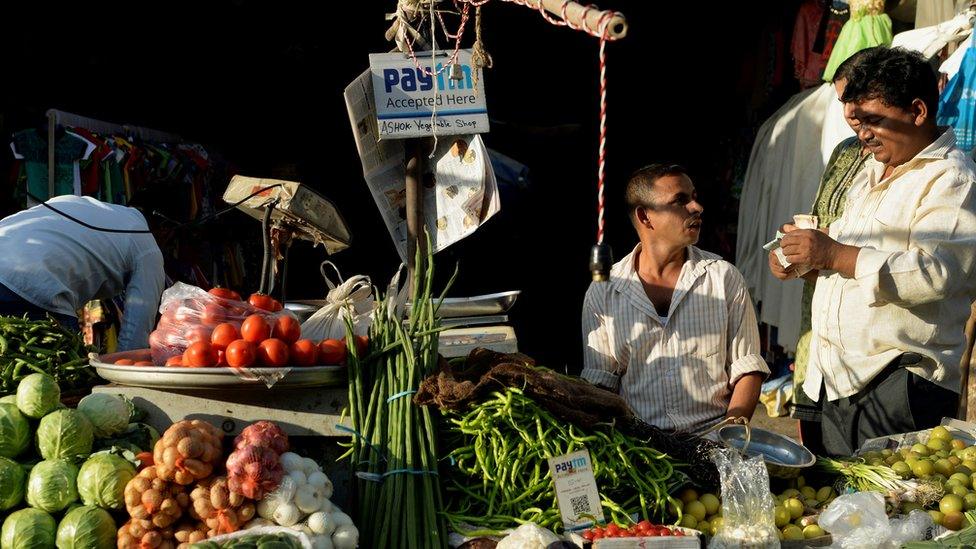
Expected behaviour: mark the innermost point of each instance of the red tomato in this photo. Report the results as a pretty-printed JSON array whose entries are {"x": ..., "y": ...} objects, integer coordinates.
[
  {"x": 143, "y": 363},
  {"x": 200, "y": 355},
  {"x": 273, "y": 352},
  {"x": 587, "y": 535},
  {"x": 225, "y": 293},
  {"x": 255, "y": 329},
  {"x": 175, "y": 360},
  {"x": 223, "y": 335},
  {"x": 644, "y": 526},
  {"x": 266, "y": 302},
  {"x": 613, "y": 530},
  {"x": 632, "y": 531},
  {"x": 125, "y": 362},
  {"x": 677, "y": 533},
  {"x": 332, "y": 351},
  {"x": 304, "y": 352},
  {"x": 286, "y": 329},
  {"x": 221, "y": 357},
  {"x": 196, "y": 334},
  {"x": 664, "y": 532},
  {"x": 362, "y": 344},
  {"x": 240, "y": 354},
  {"x": 213, "y": 314}
]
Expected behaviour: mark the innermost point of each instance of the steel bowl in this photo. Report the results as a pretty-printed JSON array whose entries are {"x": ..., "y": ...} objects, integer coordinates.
[{"x": 784, "y": 457}]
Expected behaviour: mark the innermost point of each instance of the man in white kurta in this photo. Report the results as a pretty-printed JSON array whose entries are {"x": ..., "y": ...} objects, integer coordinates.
[{"x": 895, "y": 283}]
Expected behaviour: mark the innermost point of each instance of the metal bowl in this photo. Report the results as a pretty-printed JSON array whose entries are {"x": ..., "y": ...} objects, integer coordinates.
[{"x": 784, "y": 457}]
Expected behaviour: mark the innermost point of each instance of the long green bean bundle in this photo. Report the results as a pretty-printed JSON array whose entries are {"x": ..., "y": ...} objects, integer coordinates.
[
  {"x": 500, "y": 476},
  {"x": 29, "y": 346},
  {"x": 394, "y": 444}
]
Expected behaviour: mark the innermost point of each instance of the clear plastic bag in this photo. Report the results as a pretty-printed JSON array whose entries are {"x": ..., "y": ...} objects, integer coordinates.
[
  {"x": 747, "y": 503},
  {"x": 351, "y": 299},
  {"x": 189, "y": 314},
  {"x": 858, "y": 521}
]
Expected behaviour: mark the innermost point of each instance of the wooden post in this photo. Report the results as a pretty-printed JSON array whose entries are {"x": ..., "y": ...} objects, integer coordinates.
[
  {"x": 967, "y": 398},
  {"x": 415, "y": 206},
  {"x": 616, "y": 28},
  {"x": 52, "y": 126}
]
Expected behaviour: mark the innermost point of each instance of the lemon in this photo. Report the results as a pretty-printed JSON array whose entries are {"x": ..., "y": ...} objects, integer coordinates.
[
  {"x": 795, "y": 507},
  {"x": 824, "y": 493},
  {"x": 963, "y": 479},
  {"x": 688, "y": 521},
  {"x": 940, "y": 433},
  {"x": 813, "y": 531},
  {"x": 711, "y": 503},
  {"x": 792, "y": 532},
  {"x": 808, "y": 492},
  {"x": 781, "y": 516},
  {"x": 950, "y": 503},
  {"x": 688, "y": 495},
  {"x": 696, "y": 509}
]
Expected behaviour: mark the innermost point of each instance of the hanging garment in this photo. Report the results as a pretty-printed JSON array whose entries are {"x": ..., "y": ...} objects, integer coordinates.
[
  {"x": 837, "y": 15},
  {"x": 957, "y": 105},
  {"x": 808, "y": 64},
  {"x": 31, "y": 146},
  {"x": 929, "y": 41},
  {"x": 868, "y": 26}
]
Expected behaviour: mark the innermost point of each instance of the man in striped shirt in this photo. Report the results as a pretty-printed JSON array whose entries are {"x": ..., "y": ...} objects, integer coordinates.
[{"x": 673, "y": 331}]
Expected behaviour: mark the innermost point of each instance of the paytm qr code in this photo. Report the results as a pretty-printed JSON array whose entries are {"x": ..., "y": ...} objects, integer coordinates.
[{"x": 581, "y": 505}]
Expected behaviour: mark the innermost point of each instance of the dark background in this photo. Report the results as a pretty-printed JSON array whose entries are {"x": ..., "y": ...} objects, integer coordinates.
[{"x": 262, "y": 82}]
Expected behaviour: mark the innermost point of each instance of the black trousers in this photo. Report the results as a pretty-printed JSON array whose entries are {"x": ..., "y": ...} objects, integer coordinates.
[{"x": 895, "y": 401}]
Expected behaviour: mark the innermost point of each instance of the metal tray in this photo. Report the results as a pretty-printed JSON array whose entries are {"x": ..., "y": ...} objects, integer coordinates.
[
  {"x": 784, "y": 457},
  {"x": 161, "y": 377},
  {"x": 490, "y": 304}
]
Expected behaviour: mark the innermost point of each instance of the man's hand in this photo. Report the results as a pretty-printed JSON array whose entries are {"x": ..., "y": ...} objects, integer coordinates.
[
  {"x": 780, "y": 272},
  {"x": 745, "y": 395},
  {"x": 810, "y": 247}
]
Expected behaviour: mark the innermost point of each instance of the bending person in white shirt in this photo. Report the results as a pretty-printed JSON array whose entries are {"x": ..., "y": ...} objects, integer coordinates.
[
  {"x": 53, "y": 264},
  {"x": 895, "y": 271},
  {"x": 673, "y": 330}
]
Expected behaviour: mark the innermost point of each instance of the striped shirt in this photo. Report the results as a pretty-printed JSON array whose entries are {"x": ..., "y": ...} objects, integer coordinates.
[{"x": 676, "y": 372}]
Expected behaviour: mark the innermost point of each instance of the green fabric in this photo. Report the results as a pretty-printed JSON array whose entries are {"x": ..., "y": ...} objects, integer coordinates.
[
  {"x": 862, "y": 31},
  {"x": 67, "y": 150},
  {"x": 845, "y": 163}
]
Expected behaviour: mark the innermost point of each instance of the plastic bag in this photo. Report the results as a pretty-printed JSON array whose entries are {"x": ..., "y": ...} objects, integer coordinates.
[
  {"x": 302, "y": 538},
  {"x": 528, "y": 536},
  {"x": 189, "y": 314},
  {"x": 350, "y": 299},
  {"x": 747, "y": 503},
  {"x": 859, "y": 521}
]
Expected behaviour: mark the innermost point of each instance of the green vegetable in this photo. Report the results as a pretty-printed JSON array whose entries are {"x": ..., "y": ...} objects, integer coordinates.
[
  {"x": 51, "y": 485},
  {"x": 37, "y": 395},
  {"x": 28, "y": 529},
  {"x": 86, "y": 527},
  {"x": 9, "y": 399},
  {"x": 12, "y": 483},
  {"x": 102, "y": 479},
  {"x": 65, "y": 434},
  {"x": 137, "y": 437},
  {"x": 107, "y": 413},
  {"x": 500, "y": 475},
  {"x": 15, "y": 432},
  {"x": 42, "y": 346},
  {"x": 397, "y": 437},
  {"x": 136, "y": 414}
]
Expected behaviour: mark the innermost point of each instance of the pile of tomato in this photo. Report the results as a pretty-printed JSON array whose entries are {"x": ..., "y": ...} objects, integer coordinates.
[
  {"x": 215, "y": 335},
  {"x": 643, "y": 529}
]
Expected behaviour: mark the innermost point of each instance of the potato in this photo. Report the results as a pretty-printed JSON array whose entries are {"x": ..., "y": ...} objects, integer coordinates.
[{"x": 190, "y": 447}]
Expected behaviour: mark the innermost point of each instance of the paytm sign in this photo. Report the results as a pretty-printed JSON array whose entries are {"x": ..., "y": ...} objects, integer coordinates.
[{"x": 411, "y": 102}]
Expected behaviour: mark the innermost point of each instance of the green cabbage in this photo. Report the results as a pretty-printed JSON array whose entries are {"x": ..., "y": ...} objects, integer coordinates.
[
  {"x": 137, "y": 437},
  {"x": 65, "y": 434},
  {"x": 37, "y": 395},
  {"x": 107, "y": 413},
  {"x": 15, "y": 432},
  {"x": 12, "y": 481},
  {"x": 86, "y": 528},
  {"x": 102, "y": 480},
  {"x": 51, "y": 485},
  {"x": 28, "y": 529},
  {"x": 10, "y": 399}
]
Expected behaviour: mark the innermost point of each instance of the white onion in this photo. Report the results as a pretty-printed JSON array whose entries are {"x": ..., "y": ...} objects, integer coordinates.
[
  {"x": 287, "y": 514},
  {"x": 310, "y": 466},
  {"x": 321, "y": 523},
  {"x": 318, "y": 479},
  {"x": 258, "y": 522},
  {"x": 286, "y": 489},
  {"x": 326, "y": 506},
  {"x": 266, "y": 507},
  {"x": 341, "y": 519},
  {"x": 322, "y": 542},
  {"x": 299, "y": 478},
  {"x": 307, "y": 499},
  {"x": 345, "y": 537},
  {"x": 291, "y": 461}
]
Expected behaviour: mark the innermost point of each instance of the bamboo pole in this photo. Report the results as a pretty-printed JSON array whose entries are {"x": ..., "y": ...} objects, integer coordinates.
[{"x": 575, "y": 12}]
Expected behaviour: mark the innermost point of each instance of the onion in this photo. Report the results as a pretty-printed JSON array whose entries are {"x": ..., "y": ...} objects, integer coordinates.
[
  {"x": 310, "y": 466},
  {"x": 258, "y": 522},
  {"x": 292, "y": 462},
  {"x": 341, "y": 519},
  {"x": 286, "y": 490},
  {"x": 308, "y": 499},
  {"x": 318, "y": 479},
  {"x": 345, "y": 537},
  {"x": 321, "y": 523},
  {"x": 322, "y": 542},
  {"x": 268, "y": 505},
  {"x": 287, "y": 514},
  {"x": 299, "y": 478}
]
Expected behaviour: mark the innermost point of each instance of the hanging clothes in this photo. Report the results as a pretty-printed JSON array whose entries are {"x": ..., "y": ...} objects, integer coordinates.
[
  {"x": 30, "y": 146},
  {"x": 868, "y": 26},
  {"x": 838, "y": 13},
  {"x": 929, "y": 41},
  {"x": 957, "y": 105},
  {"x": 808, "y": 64}
]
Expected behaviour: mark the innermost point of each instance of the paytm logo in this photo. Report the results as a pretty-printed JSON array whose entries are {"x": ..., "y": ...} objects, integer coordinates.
[
  {"x": 570, "y": 465},
  {"x": 411, "y": 79}
]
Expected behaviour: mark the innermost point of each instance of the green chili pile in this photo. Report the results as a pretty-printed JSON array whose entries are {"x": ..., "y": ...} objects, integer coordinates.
[
  {"x": 500, "y": 475},
  {"x": 42, "y": 346}
]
